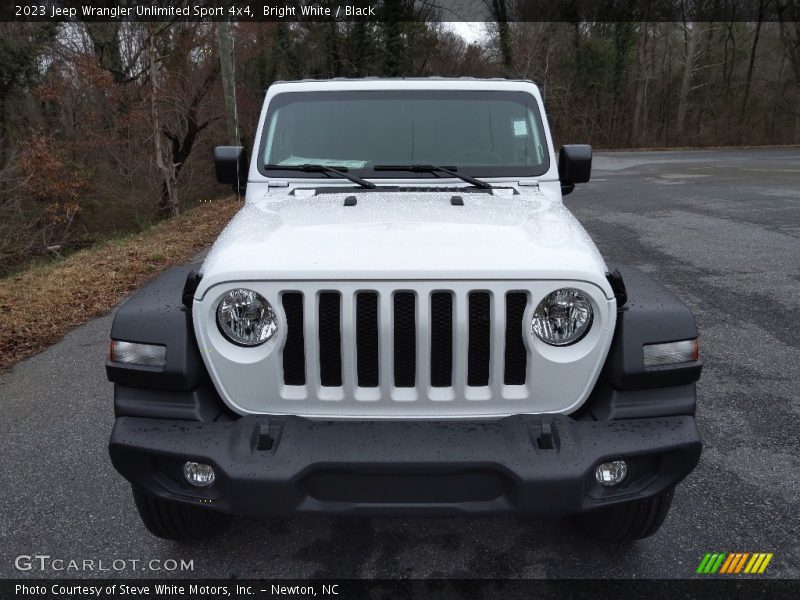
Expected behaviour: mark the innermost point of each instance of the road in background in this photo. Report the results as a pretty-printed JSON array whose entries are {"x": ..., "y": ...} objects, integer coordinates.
[{"x": 720, "y": 228}]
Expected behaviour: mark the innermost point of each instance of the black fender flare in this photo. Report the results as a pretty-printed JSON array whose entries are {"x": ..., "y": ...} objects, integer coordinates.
[{"x": 155, "y": 314}]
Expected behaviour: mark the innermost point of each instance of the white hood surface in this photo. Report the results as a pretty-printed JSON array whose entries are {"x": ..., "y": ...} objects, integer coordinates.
[{"x": 404, "y": 235}]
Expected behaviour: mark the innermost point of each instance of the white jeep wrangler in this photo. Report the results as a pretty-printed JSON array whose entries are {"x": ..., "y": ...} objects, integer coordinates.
[{"x": 403, "y": 318}]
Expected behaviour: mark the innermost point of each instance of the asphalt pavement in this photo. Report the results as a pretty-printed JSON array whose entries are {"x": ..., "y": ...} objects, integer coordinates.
[{"x": 721, "y": 228}]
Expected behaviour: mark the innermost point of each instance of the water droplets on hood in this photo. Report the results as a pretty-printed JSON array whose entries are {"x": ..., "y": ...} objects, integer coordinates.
[{"x": 402, "y": 234}]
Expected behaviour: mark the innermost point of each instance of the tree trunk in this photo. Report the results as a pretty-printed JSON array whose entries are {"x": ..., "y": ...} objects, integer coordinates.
[
  {"x": 277, "y": 54},
  {"x": 797, "y": 116},
  {"x": 3, "y": 146},
  {"x": 686, "y": 81},
  {"x": 728, "y": 65},
  {"x": 393, "y": 50},
  {"x": 228, "y": 79},
  {"x": 641, "y": 81},
  {"x": 750, "y": 68},
  {"x": 359, "y": 44},
  {"x": 500, "y": 14},
  {"x": 168, "y": 202},
  {"x": 106, "y": 45},
  {"x": 3, "y": 94},
  {"x": 622, "y": 45},
  {"x": 789, "y": 14},
  {"x": 332, "y": 57}
]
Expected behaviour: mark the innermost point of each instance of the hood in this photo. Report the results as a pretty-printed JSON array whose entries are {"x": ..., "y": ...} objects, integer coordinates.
[{"x": 401, "y": 235}]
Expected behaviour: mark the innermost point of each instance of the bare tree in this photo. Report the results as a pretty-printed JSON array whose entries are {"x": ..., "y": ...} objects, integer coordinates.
[
  {"x": 693, "y": 36},
  {"x": 170, "y": 205},
  {"x": 225, "y": 50},
  {"x": 499, "y": 11},
  {"x": 790, "y": 35},
  {"x": 762, "y": 4},
  {"x": 642, "y": 69}
]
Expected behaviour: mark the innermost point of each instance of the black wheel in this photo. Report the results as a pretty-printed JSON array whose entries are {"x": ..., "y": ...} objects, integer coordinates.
[
  {"x": 626, "y": 522},
  {"x": 179, "y": 522}
]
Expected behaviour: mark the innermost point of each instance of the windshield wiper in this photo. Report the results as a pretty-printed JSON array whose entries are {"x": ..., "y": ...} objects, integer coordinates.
[
  {"x": 433, "y": 169},
  {"x": 338, "y": 171}
]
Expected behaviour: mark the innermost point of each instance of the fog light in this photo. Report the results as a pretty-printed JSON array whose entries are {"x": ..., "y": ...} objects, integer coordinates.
[
  {"x": 198, "y": 474},
  {"x": 611, "y": 473}
]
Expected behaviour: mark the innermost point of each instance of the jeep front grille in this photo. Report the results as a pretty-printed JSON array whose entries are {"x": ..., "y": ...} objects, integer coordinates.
[
  {"x": 403, "y": 340},
  {"x": 394, "y": 349}
]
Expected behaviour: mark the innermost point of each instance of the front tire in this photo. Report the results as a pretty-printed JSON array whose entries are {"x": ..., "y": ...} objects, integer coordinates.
[
  {"x": 176, "y": 521},
  {"x": 626, "y": 522}
]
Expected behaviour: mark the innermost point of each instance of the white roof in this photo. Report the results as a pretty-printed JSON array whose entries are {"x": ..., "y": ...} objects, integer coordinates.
[{"x": 422, "y": 83}]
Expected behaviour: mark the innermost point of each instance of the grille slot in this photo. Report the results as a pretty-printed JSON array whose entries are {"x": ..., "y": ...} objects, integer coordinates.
[
  {"x": 478, "y": 350},
  {"x": 367, "y": 339},
  {"x": 441, "y": 339},
  {"x": 405, "y": 340},
  {"x": 330, "y": 339},
  {"x": 516, "y": 356},
  {"x": 294, "y": 354}
]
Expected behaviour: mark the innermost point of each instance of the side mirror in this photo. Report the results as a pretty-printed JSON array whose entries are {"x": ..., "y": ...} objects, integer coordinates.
[
  {"x": 574, "y": 166},
  {"x": 231, "y": 165}
]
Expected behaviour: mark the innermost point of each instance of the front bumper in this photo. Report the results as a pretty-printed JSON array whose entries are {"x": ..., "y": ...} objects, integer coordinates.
[{"x": 525, "y": 464}]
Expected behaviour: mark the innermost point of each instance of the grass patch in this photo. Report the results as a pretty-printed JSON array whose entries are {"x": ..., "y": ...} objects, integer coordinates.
[{"x": 39, "y": 305}]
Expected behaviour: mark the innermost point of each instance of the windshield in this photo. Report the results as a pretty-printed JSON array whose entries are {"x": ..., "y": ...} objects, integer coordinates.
[{"x": 480, "y": 133}]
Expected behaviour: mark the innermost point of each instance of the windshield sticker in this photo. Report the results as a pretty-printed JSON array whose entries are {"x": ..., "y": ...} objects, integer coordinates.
[{"x": 520, "y": 128}]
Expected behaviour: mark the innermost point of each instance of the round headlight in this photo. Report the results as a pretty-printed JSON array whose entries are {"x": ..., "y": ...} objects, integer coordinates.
[
  {"x": 246, "y": 318},
  {"x": 563, "y": 317}
]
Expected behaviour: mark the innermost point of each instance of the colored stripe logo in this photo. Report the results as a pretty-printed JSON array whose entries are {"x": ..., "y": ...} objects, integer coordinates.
[{"x": 734, "y": 562}]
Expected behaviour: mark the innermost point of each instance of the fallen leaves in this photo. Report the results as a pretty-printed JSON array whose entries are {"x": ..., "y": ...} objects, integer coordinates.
[{"x": 38, "y": 306}]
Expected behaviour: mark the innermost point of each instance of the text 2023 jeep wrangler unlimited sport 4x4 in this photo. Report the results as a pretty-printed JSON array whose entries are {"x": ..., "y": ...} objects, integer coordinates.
[{"x": 403, "y": 318}]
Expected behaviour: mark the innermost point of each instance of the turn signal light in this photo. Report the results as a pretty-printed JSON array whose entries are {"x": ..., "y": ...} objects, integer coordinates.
[
  {"x": 148, "y": 355},
  {"x": 656, "y": 355}
]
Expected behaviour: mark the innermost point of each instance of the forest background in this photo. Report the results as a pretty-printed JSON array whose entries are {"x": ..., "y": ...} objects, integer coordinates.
[{"x": 107, "y": 128}]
